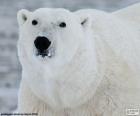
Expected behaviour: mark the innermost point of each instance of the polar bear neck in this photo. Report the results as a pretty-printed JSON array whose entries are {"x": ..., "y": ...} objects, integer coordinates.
[{"x": 79, "y": 76}]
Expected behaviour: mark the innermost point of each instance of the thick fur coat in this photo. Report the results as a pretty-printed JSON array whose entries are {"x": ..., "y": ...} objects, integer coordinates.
[{"x": 95, "y": 69}]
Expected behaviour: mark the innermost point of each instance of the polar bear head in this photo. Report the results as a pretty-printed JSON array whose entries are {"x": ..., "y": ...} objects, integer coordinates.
[
  {"x": 49, "y": 51},
  {"x": 44, "y": 31}
]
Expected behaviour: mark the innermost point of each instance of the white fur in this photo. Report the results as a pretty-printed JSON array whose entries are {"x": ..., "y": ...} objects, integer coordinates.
[{"x": 95, "y": 70}]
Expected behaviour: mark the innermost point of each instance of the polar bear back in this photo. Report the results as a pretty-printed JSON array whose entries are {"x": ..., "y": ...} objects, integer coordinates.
[
  {"x": 131, "y": 14},
  {"x": 116, "y": 33}
]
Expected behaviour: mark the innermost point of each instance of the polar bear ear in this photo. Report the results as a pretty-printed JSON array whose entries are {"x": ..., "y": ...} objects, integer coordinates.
[{"x": 22, "y": 16}]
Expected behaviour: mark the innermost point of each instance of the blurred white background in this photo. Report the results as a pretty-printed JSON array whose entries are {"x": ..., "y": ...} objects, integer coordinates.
[{"x": 10, "y": 69}]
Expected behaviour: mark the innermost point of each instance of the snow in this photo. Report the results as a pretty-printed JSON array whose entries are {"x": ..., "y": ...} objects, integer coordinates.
[
  {"x": 10, "y": 69},
  {"x": 8, "y": 99}
]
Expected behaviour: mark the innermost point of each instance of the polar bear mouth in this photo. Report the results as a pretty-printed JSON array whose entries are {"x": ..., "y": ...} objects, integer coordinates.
[
  {"x": 47, "y": 53},
  {"x": 44, "y": 47}
]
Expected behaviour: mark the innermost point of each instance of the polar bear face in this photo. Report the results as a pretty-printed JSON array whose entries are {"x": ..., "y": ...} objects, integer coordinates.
[
  {"x": 49, "y": 49},
  {"x": 49, "y": 36}
]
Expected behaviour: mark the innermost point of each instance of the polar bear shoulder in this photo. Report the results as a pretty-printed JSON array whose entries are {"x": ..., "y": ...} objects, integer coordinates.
[{"x": 115, "y": 32}]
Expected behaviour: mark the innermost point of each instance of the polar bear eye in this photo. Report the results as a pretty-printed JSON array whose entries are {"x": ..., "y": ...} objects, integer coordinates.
[
  {"x": 34, "y": 22},
  {"x": 62, "y": 24}
]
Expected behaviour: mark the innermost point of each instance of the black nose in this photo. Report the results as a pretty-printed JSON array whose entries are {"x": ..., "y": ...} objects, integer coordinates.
[{"x": 42, "y": 43}]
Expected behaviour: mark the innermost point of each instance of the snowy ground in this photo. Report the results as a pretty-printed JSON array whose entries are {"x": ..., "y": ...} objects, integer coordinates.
[{"x": 10, "y": 70}]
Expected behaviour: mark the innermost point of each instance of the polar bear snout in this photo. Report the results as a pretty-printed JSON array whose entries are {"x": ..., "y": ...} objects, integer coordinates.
[{"x": 42, "y": 45}]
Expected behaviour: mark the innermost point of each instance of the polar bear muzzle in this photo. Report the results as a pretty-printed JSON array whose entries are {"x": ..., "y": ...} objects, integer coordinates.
[{"x": 42, "y": 45}]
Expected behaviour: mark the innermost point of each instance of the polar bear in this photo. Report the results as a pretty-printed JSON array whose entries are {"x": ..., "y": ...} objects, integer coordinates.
[{"x": 83, "y": 63}]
